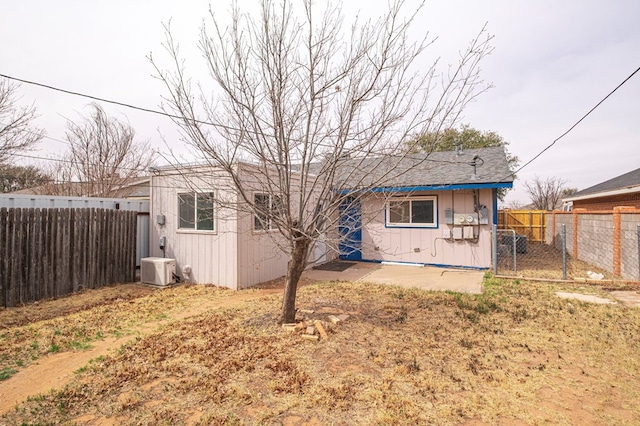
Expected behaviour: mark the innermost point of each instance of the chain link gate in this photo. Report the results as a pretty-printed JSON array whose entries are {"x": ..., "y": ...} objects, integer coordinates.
[{"x": 515, "y": 255}]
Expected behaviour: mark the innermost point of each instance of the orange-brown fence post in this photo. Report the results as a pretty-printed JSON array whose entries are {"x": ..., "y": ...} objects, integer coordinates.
[
  {"x": 617, "y": 236},
  {"x": 616, "y": 241},
  {"x": 575, "y": 233}
]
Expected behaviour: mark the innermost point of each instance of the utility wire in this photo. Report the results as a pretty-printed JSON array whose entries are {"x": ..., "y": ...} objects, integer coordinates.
[
  {"x": 152, "y": 111},
  {"x": 69, "y": 161},
  {"x": 575, "y": 124},
  {"x": 41, "y": 135},
  {"x": 70, "y": 92},
  {"x": 95, "y": 98}
]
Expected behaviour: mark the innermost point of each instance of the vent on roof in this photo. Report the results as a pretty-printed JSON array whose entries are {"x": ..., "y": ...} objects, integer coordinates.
[{"x": 477, "y": 161}]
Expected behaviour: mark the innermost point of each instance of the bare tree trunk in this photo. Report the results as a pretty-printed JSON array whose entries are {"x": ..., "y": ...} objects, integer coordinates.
[{"x": 297, "y": 263}]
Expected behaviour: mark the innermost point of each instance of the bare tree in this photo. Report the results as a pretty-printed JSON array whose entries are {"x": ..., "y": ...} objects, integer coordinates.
[
  {"x": 103, "y": 156},
  {"x": 516, "y": 204},
  {"x": 546, "y": 194},
  {"x": 63, "y": 181},
  {"x": 311, "y": 110},
  {"x": 17, "y": 133}
]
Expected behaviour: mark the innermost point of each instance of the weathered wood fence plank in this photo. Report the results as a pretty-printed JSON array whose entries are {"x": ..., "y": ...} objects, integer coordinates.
[
  {"x": 3, "y": 254},
  {"x": 47, "y": 253}
]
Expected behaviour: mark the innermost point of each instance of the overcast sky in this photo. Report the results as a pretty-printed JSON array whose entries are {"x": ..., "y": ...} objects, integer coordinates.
[{"x": 553, "y": 61}]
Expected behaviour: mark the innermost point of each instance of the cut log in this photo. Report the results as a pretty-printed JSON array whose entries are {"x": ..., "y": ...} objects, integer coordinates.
[{"x": 321, "y": 329}]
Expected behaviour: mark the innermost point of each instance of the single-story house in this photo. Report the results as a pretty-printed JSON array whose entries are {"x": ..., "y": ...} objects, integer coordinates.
[
  {"x": 623, "y": 190},
  {"x": 434, "y": 209}
]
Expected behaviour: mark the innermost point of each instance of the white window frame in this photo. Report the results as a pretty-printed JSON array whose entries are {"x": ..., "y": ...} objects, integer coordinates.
[
  {"x": 410, "y": 223},
  {"x": 195, "y": 196},
  {"x": 266, "y": 224}
]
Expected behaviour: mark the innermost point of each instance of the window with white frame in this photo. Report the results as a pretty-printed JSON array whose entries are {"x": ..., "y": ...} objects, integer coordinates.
[
  {"x": 195, "y": 211},
  {"x": 267, "y": 206},
  {"x": 413, "y": 212}
]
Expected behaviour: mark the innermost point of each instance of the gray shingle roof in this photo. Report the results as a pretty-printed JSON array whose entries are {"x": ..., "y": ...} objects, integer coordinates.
[
  {"x": 434, "y": 169},
  {"x": 626, "y": 180}
]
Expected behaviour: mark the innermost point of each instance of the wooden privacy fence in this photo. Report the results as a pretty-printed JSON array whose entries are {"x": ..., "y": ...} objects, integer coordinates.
[
  {"x": 531, "y": 223},
  {"x": 47, "y": 253}
]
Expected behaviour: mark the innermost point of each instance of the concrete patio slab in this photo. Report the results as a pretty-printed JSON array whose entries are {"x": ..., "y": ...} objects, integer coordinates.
[
  {"x": 426, "y": 278},
  {"x": 631, "y": 298},
  {"x": 585, "y": 298},
  {"x": 353, "y": 273}
]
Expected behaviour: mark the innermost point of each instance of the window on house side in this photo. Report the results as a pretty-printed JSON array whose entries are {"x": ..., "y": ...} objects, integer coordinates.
[
  {"x": 195, "y": 211},
  {"x": 267, "y": 207},
  {"x": 415, "y": 211}
]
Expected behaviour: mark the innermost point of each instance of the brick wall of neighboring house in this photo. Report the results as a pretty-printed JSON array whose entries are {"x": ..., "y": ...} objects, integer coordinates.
[{"x": 608, "y": 203}]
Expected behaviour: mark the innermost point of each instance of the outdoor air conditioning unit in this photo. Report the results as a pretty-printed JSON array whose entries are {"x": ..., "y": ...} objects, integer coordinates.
[{"x": 157, "y": 271}]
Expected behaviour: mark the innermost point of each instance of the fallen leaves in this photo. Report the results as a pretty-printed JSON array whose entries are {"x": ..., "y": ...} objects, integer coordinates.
[{"x": 452, "y": 358}]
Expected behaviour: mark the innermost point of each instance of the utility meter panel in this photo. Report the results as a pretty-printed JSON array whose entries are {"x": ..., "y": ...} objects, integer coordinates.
[{"x": 465, "y": 218}]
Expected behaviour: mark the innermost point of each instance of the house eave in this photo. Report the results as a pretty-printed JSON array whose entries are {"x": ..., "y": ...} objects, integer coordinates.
[{"x": 621, "y": 191}]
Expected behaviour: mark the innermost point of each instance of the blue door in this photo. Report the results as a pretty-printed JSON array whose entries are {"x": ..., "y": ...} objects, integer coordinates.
[{"x": 350, "y": 228}]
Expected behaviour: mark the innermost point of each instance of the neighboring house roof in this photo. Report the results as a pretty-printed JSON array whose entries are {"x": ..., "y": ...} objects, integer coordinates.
[
  {"x": 433, "y": 171},
  {"x": 53, "y": 189},
  {"x": 134, "y": 187},
  {"x": 626, "y": 183}
]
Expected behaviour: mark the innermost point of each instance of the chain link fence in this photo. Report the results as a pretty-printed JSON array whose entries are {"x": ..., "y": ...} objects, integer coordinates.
[{"x": 577, "y": 245}]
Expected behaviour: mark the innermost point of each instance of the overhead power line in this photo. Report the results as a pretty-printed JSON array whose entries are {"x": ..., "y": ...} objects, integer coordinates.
[
  {"x": 577, "y": 122},
  {"x": 126, "y": 105},
  {"x": 152, "y": 111},
  {"x": 96, "y": 98}
]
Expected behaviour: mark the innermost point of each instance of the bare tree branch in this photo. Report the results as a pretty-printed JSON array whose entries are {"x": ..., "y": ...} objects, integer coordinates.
[
  {"x": 103, "y": 156},
  {"x": 546, "y": 194},
  {"x": 17, "y": 133},
  {"x": 293, "y": 96}
]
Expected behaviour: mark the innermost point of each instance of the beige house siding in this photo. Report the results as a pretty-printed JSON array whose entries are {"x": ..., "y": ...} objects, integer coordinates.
[
  {"x": 235, "y": 255},
  {"x": 261, "y": 254},
  {"x": 427, "y": 245},
  {"x": 259, "y": 257},
  {"x": 212, "y": 255}
]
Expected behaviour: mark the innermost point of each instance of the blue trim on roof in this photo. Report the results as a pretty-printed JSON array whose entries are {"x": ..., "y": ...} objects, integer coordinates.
[{"x": 433, "y": 187}]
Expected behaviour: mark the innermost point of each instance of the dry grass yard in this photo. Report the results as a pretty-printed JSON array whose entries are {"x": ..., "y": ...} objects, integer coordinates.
[{"x": 197, "y": 355}]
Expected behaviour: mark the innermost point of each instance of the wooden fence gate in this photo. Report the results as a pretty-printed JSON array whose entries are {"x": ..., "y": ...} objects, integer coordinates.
[
  {"x": 531, "y": 223},
  {"x": 46, "y": 253}
]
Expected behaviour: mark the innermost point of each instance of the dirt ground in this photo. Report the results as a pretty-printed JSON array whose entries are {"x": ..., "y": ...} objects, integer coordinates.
[
  {"x": 39, "y": 311},
  {"x": 199, "y": 355},
  {"x": 56, "y": 370}
]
